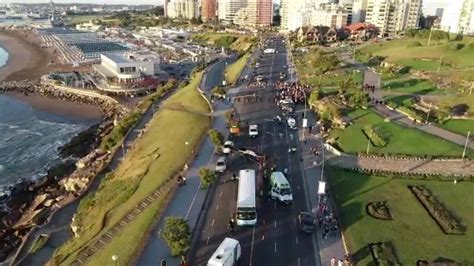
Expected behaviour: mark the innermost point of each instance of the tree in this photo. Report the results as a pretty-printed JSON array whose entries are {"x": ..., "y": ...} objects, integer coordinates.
[
  {"x": 216, "y": 137},
  {"x": 176, "y": 234},
  {"x": 314, "y": 97},
  {"x": 207, "y": 176},
  {"x": 359, "y": 98},
  {"x": 218, "y": 91}
]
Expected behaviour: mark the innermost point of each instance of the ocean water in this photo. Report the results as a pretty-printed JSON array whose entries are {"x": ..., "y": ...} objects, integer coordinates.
[
  {"x": 3, "y": 57},
  {"x": 29, "y": 140}
]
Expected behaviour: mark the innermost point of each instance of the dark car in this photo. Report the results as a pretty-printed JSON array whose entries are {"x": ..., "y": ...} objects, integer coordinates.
[{"x": 306, "y": 221}]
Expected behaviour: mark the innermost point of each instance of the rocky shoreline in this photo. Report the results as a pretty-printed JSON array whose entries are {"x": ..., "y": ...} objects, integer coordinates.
[{"x": 30, "y": 203}]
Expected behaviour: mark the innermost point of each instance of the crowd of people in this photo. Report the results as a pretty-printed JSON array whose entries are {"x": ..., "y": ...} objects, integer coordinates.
[
  {"x": 327, "y": 221},
  {"x": 295, "y": 91}
]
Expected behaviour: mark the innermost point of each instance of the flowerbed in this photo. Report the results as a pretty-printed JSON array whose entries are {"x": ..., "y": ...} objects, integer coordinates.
[
  {"x": 379, "y": 210},
  {"x": 375, "y": 136},
  {"x": 383, "y": 253},
  {"x": 439, "y": 213}
]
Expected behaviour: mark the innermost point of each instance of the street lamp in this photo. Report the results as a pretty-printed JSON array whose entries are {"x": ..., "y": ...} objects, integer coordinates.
[
  {"x": 186, "y": 154},
  {"x": 114, "y": 259}
]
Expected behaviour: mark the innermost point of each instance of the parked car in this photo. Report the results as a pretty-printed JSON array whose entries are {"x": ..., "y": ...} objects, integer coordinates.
[
  {"x": 221, "y": 165},
  {"x": 306, "y": 222},
  {"x": 228, "y": 145}
]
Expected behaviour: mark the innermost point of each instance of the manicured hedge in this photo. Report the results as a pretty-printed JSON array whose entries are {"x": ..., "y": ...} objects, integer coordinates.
[
  {"x": 410, "y": 112},
  {"x": 439, "y": 213},
  {"x": 379, "y": 210},
  {"x": 375, "y": 137}
]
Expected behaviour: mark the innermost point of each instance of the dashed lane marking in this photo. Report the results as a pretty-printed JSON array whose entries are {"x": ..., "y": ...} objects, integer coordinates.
[
  {"x": 220, "y": 194},
  {"x": 299, "y": 261},
  {"x": 207, "y": 242},
  {"x": 217, "y": 207},
  {"x": 213, "y": 221},
  {"x": 275, "y": 247},
  {"x": 296, "y": 240},
  {"x": 275, "y": 224}
]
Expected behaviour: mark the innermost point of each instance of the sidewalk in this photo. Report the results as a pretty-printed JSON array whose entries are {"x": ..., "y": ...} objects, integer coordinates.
[
  {"x": 332, "y": 246},
  {"x": 188, "y": 200}
]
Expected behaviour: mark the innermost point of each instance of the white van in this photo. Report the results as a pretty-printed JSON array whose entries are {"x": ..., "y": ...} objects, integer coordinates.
[
  {"x": 280, "y": 188},
  {"x": 253, "y": 131},
  {"x": 227, "y": 254}
]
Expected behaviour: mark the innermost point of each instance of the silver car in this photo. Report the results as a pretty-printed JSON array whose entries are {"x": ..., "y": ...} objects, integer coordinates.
[{"x": 221, "y": 165}]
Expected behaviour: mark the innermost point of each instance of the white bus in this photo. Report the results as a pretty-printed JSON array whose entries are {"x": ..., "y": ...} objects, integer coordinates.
[
  {"x": 227, "y": 254},
  {"x": 246, "y": 204}
]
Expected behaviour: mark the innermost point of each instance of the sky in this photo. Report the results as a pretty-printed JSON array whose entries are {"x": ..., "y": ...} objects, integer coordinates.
[{"x": 429, "y": 5}]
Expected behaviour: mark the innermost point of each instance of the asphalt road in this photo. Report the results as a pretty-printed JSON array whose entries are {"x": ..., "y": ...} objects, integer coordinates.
[{"x": 276, "y": 239}]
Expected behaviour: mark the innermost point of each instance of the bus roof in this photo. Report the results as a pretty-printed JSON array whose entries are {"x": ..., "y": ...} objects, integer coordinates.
[
  {"x": 246, "y": 193},
  {"x": 222, "y": 253},
  {"x": 279, "y": 178}
]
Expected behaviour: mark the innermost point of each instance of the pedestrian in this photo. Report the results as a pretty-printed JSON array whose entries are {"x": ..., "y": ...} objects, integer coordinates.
[
  {"x": 333, "y": 261},
  {"x": 310, "y": 128},
  {"x": 163, "y": 262},
  {"x": 340, "y": 263}
]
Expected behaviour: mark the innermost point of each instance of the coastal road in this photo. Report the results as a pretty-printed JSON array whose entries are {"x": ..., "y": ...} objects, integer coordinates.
[
  {"x": 276, "y": 239},
  {"x": 58, "y": 227}
]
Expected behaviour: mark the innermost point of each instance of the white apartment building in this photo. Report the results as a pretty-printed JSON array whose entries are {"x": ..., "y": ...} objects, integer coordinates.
[
  {"x": 330, "y": 15},
  {"x": 458, "y": 17},
  {"x": 185, "y": 9},
  {"x": 293, "y": 14},
  {"x": 227, "y": 9},
  {"x": 359, "y": 10},
  {"x": 393, "y": 16}
]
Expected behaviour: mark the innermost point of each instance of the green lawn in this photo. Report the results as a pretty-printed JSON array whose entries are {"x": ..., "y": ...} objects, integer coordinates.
[
  {"x": 422, "y": 57},
  {"x": 155, "y": 157},
  {"x": 401, "y": 140},
  {"x": 234, "y": 70},
  {"x": 459, "y": 126},
  {"x": 414, "y": 234},
  {"x": 411, "y": 86}
]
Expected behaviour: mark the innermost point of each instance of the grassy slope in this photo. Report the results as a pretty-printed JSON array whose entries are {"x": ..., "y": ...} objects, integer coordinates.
[
  {"x": 398, "y": 51},
  {"x": 401, "y": 140},
  {"x": 234, "y": 70},
  {"x": 413, "y": 232},
  {"x": 412, "y": 86},
  {"x": 242, "y": 43},
  {"x": 121, "y": 191},
  {"x": 459, "y": 126}
]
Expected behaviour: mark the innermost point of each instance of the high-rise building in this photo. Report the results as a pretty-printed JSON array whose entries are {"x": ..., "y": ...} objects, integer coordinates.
[
  {"x": 393, "y": 16},
  {"x": 359, "y": 10},
  {"x": 264, "y": 12},
  {"x": 330, "y": 15},
  {"x": 227, "y": 9},
  {"x": 292, "y": 14},
  {"x": 185, "y": 9},
  {"x": 439, "y": 12},
  {"x": 208, "y": 9},
  {"x": 458, "y": 17},
  {"x": 257, "y": 13}
]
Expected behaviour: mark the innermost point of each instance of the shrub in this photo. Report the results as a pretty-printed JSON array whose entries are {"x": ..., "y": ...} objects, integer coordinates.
[
  {"x": 437, "y": 211},
  {"x": 392, "y": 104},
  {"x": 207, "y": 176},
  {"x": 374, "y": 136},
  {"x": 218, "y": 91},
  {"x": 176, "y": 234},
  {"x": 225, "y": 41},
  {"x": 216, "y": 137},
  {"x": 456, "y": 46},
  {"x": 471, "y": 45},
  {"x": 411, "y": 113}
]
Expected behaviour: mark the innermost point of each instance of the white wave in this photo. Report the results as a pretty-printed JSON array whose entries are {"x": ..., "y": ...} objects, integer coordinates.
[
  {"x": 9, "y": 126},
  {"x": 30, "y": 132}
]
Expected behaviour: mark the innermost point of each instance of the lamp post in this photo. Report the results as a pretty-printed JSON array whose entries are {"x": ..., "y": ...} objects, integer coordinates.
[
  {"x": 186, "y": 154},
  {"x": 465, "y": 145},
  {"x": 114, "y": 259}
]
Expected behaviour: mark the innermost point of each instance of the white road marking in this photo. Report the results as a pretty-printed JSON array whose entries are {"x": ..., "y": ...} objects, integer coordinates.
[
  {"x": 263, "y": 237},
  {"x": 296, "y": 240},
  {"x": 213, "y": 221},
  {"x": 275, "y": 247},
  {"x": 207, "y": 242},
  {"x": 220, "y": 194},
  {"x": 275, "y": 224},
  {"x": 217, "y": 207},
  {"x": 299, "y": 261},
  {"x": 251, "y": 246}
]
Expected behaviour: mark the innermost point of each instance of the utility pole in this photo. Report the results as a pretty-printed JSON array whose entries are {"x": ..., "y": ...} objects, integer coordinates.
[
  {"x": 440, "y": 63},
  {"x": 465, "y": 145},
  {"x": 368, "y": 146},
  {"x": 429, "y": 38}
]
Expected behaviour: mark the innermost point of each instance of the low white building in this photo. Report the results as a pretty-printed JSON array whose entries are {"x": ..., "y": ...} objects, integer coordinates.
[
  {"x": 88, "y": 26},
  {"x": 125, "y": 69}
]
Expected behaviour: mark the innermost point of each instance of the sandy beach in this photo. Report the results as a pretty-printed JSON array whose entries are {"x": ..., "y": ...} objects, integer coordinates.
[{"x": 26, "y": 60}]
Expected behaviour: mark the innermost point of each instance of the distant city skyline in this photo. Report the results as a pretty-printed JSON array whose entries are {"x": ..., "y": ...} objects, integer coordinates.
[{"x": 429, "y": 6}]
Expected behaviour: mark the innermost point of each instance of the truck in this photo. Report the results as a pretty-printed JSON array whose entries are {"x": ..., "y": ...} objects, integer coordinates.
[
  {"x": 227, "y": 254},
  {"x": 280, "y": 188}
]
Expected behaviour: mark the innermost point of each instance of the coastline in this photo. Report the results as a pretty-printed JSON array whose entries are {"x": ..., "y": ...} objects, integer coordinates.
[{"x": 26, "y": 58}]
